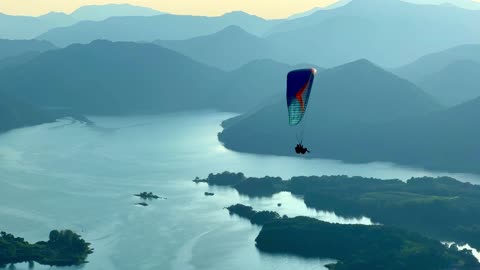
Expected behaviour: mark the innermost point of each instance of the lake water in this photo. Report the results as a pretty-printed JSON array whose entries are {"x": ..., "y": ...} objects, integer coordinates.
[{"x": 67, "y": 175}]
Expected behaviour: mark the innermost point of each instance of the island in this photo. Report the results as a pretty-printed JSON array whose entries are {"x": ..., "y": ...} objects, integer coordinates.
[
  {"x": 209, "y": 194},
  {"x": 354, "y": 246},
  {"x": 257, "y": 218},
  {"x": 251, "y": 186},
  {"x": 63, "y": 248},
  {"x": 148, "y": 196},
  {"x": 222, "y": 179},
  {"x": 441, "y": 208}
]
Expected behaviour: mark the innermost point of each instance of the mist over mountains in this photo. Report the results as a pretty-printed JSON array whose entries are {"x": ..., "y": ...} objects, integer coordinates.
[
  {"x": 457, "y": 83},
  {"x": 450, "y": 75},
  {"x": 390, "y": 33},
  {"x": 104, "y": 77},
  {"x": 163, "y": 27},
  {"x": 107, "y": 78},
  {"x": 11, "y": 48},
  {"x": 372, "y": 116},
  {"x": 27, "y": 27},
  {"x": 227, "y": 49},
  {"x": 434, "y": 62}
]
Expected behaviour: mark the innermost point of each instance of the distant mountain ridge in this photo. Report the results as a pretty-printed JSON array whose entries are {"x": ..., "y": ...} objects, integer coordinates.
[
  {"x": 116, "y": 78},
  {"x": 227, "y": 49},
  {"x": 382, "y": 31},
  {"x": 339, "y": 108},
  {"x": 12, "y": 61},
  {"x": 388, "y": 32},
  {"x": 451, "y": 75},
  {"x": 160, "y": 27},
  {"x": 434, "y": 62},
  {"x": 466, "y": 4},
  {"x": 446, "y": 140},
  {"x": 26, "y": 27},
  {"x": 11, "y": 48},
  {"x": 112, "y": 78},
  {"x": 337, "y": 4},
  {"x": 457, "y": 83}
]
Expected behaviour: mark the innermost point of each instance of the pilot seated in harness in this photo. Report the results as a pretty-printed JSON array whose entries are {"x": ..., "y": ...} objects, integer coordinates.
[{"x": 299, "y": 149}]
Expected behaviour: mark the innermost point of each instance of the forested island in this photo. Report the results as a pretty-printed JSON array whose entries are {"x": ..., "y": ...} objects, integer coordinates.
[
  {"x": 442, "y": 208},
  {"x": 355, "y": 246},
  {"x": 63, "y": 248},
  {"x": 148, "y": 196},
  {"x": 258, "y": 218}
]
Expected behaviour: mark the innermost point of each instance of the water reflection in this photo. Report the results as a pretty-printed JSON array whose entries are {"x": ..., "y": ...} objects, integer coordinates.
[
  {"x": 474, "y": 251},
  {"x": 83, "y": 178}
]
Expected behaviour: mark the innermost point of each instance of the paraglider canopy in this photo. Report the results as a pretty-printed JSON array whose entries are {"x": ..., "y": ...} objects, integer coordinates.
[{"x": 299, "y": 86}]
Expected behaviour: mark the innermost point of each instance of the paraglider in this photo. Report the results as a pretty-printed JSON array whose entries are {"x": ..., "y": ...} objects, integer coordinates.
[
  {"x": 299, "y": 86},
  {"x": 300, "y": 149}
]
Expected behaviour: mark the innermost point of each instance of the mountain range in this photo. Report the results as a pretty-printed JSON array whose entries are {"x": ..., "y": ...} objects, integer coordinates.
[
  {"x": 27, "y": 27},
  {"x": 337, "y": 4},
  {"x": 467, "y": 4},
  {"x": 163, "y": 27},
  {"x": 24, "y": 27},
  {"x": 112, "y": 78},
  {"x": 421, "y": 113},
  {"x": 372, "y": 116},
  {"x": 227, "y": 49},
  {"x": 389, "y": 32},
  {"x": 457, "y": 83},
  {"x": 11, "y": 48},
  {"x": 451, "y": 75},
  {"x": 17, "y": 114},
  {"x": 434, "y": 62},
  {"x": 106, "y": 77}
]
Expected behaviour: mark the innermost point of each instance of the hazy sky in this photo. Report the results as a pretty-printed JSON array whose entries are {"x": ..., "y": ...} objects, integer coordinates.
[{"x": 263, "y": 8}]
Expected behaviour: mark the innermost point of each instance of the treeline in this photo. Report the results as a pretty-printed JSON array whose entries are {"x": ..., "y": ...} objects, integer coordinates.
[
  {"x": 258, "y": 218},
  {"x": 359, "y": 247},
  {"x": 250, "y": 186},
  {"x": 443, "y": 208},
  {"x": 64, "y": 248},
  {"x": 354, "y": 246}
]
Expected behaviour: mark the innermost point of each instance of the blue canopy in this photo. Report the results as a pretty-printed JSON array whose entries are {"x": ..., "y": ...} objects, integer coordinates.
[{"x": 299, "y": 86}]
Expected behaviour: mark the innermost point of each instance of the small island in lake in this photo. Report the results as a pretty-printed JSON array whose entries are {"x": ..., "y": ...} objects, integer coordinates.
[
  {"x": 357, "y": 247},
  {"x": 64, "y": 248},
  {"x": 148, "y": 196},
  {"x": 441, "y": 208}
]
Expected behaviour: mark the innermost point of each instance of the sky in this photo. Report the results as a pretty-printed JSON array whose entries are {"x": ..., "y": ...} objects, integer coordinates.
[{"x": 264, "y": 8}]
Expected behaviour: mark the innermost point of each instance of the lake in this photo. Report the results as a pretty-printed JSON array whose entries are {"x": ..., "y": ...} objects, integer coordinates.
[{"x": 67, "y": 175}]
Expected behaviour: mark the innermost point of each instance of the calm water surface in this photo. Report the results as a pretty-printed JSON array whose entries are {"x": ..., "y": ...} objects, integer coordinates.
[{"x": 68, "y": 175}]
